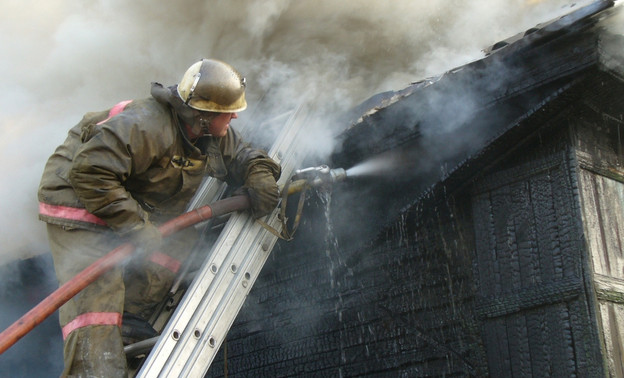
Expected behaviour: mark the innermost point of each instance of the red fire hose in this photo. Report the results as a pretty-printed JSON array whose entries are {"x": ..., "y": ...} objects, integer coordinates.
[{"x": 64, "y": 293}]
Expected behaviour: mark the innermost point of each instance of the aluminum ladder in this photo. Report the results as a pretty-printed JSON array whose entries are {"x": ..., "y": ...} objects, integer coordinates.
[{"x": 192, "y": 337}]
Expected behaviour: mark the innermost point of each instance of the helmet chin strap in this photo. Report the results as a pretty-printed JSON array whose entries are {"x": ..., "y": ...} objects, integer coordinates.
[
  {"x": 204, "y": 125},
  {"x": 199, "y": 125}
]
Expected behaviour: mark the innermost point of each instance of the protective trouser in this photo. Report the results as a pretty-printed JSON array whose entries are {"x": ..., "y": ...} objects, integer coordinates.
[{"x": 91, "y": 321}]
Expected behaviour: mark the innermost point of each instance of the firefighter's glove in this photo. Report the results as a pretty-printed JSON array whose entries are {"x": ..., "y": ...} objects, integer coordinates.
[
  {"x": 146, "y": 239},
  {"x": 261, "y": 186}
]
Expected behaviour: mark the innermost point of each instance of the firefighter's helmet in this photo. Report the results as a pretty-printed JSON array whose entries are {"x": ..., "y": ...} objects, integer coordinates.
[{"x": 213, "y": 86}]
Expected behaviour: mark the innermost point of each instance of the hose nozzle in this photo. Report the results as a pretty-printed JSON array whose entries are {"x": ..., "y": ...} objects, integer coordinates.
[
  {"x": 311, "y": 171},
  {"x": 319, "y": 176}
]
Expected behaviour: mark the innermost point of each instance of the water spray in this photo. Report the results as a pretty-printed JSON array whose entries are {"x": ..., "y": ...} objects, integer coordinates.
[{"x": 401, "y": 161}]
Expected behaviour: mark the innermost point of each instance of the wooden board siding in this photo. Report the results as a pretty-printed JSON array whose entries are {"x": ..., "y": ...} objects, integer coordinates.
[
  {"x": 612, "y": 326},
  {"x": 603, "y": 215},
  {"x": 601, "y": 183}
]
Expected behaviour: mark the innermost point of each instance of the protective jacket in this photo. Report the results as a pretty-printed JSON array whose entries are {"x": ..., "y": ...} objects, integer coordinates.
[
  {"x": 117, "y": 172},
  {"x": 121, "y": 167}
]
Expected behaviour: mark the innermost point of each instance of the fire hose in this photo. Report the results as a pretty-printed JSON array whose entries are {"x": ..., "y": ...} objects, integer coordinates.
[{"x": 309, "y": 177}]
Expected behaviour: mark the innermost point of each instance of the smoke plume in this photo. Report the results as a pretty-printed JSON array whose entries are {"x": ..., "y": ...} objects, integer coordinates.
[{"x": 62, "y": 60}]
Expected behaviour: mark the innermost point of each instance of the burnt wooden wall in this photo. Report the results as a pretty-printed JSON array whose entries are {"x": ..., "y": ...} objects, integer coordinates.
[
  {"x": 548, "y": 219},
  {"x": 532, "y": 273}
]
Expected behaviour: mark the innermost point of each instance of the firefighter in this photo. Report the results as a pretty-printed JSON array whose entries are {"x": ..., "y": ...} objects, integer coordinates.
[{"x": 122, "y": 172}]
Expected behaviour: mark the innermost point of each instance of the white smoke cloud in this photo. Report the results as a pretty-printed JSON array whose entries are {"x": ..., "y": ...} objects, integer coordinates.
[{"x": 62, "y": 59}]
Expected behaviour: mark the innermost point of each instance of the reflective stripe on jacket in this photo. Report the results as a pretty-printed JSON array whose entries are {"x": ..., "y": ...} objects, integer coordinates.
[{"x": 69, "y": 213}]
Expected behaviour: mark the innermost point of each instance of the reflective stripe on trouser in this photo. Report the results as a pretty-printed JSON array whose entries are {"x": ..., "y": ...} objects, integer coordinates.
[
  {"x": 138, "y": 289},
  {"x": 89, "y": 350}
]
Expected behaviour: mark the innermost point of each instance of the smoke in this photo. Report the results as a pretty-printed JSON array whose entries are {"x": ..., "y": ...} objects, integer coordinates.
[{"x": 62, "y": 60}]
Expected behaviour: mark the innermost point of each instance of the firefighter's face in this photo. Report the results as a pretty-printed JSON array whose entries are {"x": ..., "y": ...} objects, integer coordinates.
[{"x": 219, "y": 125}]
